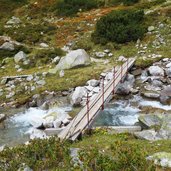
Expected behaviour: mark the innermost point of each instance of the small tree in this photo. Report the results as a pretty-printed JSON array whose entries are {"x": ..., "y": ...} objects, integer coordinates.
[{"x": 120, "y": 27}]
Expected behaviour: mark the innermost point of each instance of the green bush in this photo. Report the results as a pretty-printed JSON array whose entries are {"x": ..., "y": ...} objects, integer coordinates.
[
  {"x": 120, "y": 27},
  {"x": 71, "y": 7}
]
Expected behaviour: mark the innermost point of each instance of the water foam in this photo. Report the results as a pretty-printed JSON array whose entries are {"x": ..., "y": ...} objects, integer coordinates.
[{"x": 155, "y": 104}]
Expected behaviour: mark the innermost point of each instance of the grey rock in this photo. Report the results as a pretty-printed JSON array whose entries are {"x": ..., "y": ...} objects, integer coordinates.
[
  {"x": 156, "y": 71},
  {"x": 14, "y": 21},
  {"x": 7, "y": 46},
  {"x": 151, "y": 95},
  {"x": 56, "y": 60},
  {"x": 73, "y": 59},
  {"x": 168, "y": 65},
  {"x": 48, "y": 122},
  {"x": 168, "y": 72},
  {"x": 150, "y": 135},
  {"x": 162, "y": 159},
  {"x": 26, "y": 62},
  {"x": 4, "y": 81},
  {"x": 36, "y": 133},
  {"x": 19, "y": 70},
  {"x": 93, "y": 83},
  {"x": 165, "y": 131},
  {"x": 122, "y": 58},
  {"x": 125, "y": 87},
  {"x": 156, "y": 83},
  {"x": 2, "y": 148},
  {"x": 74, "y": 153},
  {"x": 20, "y": 56},
  {"x": 62, "y": 73},
  {"x": 150, "y": 120},
  {"x": 151, "y": 28},
  {"x": 100, "y": 54},
  {"x": 25, "y": 168},
  {"x": 165, "y": 95},
  {"x": 57, "y": 123},
  {"x": 41, "y": 82},
  {"x": 110, "y": 54},
  {"x": 29, "y": 78},
  {"x": 2, "y": 117},
  {"x": 32, "y": 88},
  {"x": 11, "y": 94},
  {"x": 77, "y": 95},
  {"x": 106, "y": 50},
  {"x": 44, "y": 45}
]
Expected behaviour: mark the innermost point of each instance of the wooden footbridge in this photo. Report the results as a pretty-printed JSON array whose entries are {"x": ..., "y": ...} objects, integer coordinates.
[{"x": 85, "y": 117}]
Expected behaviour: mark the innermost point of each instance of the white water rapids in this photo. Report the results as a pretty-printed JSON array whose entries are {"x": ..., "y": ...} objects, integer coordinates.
[{"x": 117, "y": 113}]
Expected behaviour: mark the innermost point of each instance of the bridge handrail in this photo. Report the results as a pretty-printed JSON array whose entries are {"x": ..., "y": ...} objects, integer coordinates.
[{"x": 100, "y": 95}]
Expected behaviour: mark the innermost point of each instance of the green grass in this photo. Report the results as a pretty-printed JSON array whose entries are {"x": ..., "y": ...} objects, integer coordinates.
[{"x": 100, "y": 151}]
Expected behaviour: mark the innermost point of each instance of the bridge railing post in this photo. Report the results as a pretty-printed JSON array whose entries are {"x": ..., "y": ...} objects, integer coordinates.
[
  {"x": 121, "y": 73},
  {"x": 114, "y": 70},
  {"x": 88, "y": 109},
  {"x": 102, "y": 78},
  {"x": 127, "y": 63}
]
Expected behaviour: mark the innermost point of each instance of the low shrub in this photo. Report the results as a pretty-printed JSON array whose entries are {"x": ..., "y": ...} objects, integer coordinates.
[
  {"x": 120, "y": 26},
  {"x": 44, "y": 56},
  {"x": 71, "y": 7},
  {"x": 38, "y": 155},
  {"x": 125, "y": 2},
  {"x": 123, "y": 156},
  {"x": 31, "y": 33}
]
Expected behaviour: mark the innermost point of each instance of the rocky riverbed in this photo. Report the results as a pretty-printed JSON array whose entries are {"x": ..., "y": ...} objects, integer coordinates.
[{"x": 142, "y": 94}]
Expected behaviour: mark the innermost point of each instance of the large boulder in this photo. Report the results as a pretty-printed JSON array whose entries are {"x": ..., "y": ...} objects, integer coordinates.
[
  {"x": 165, "y": 95},
  {"x": 7, "y": 46},
  {"x": 156, "y": 71},
  {"x": 150, "y": 135},
  {"x": 168, "y": 72},
  {"x": 150, "y": 120},
  {"x": 20, "y": 56},
  {"x": 73, "y": 59},
  {"x": 125, "y": 87},
  {"x": 77, "y": 95}
]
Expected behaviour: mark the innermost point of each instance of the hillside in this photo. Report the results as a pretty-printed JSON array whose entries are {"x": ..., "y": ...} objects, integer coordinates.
[{"x": 36, "y": 37}]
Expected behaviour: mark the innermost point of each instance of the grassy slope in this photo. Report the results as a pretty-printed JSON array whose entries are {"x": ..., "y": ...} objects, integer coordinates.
[{"x": 67, "y": 32}]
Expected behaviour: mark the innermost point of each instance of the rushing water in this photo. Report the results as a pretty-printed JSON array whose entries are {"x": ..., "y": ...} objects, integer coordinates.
[
  {"x": 116, "y": 113},
  {"x": 14, "y": 130}
]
